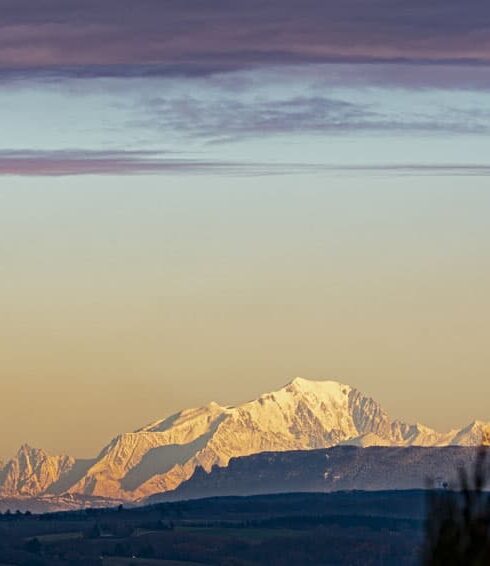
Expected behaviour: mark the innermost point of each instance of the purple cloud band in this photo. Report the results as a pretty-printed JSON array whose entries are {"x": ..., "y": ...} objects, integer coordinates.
[
  {"x": 93, "y": 38},
  {"x": 62, "y": 163}
]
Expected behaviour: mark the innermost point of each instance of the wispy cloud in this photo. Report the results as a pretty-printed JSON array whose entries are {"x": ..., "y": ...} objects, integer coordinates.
[
  {"x": 225, "y": 118},
  {"x": 61, "y": 163},
  {"x": 90, "y": 38}
]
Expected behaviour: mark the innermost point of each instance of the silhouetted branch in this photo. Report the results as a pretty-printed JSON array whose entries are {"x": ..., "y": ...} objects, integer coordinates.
[{"x": 458, "y": 521}]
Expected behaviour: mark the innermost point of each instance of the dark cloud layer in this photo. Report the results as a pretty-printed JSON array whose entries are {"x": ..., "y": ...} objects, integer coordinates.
[
  {"x": 92, "y": 38},
  {"x": 62, "y": 163}
]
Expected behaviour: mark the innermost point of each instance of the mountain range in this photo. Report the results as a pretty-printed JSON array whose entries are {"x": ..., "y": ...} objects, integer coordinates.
[{"x": 303, "y": 415}]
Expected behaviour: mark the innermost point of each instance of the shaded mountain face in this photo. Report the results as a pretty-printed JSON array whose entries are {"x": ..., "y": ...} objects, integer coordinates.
[
  {"x": 341, "y": 468},
  {"x": 303, "y": 415}
]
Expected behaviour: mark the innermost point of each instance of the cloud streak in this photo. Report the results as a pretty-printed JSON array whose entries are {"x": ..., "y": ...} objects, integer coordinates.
[
  {"x": 64, "y": 163},
  {"x": 124, "y": 38}
]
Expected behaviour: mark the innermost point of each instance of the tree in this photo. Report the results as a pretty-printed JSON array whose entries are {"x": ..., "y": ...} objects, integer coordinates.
[
  {"x": 33, "y": 546},
  {"x": 95, "y": 532},
  {"x": 458, "y": 522},
  {"x": 148, "y": 551}
]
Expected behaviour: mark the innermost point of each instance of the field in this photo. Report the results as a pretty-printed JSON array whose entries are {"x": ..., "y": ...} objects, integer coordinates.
[{"x": 323, "y": 529}]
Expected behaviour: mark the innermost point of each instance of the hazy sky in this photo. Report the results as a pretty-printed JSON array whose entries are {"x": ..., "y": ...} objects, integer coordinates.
[{"x": 200, "y": 202}]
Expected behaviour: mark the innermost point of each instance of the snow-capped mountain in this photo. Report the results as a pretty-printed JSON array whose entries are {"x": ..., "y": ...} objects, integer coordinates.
[{"x": 302, "y": 415}]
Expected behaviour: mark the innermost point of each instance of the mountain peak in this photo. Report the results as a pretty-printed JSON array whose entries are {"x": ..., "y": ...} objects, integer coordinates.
[
  {"x": 28, "y": 450},
  {"x": 318, "y": 387},
  {"x": 300, "y": 381},
  {"x": 32, "y": 471}
]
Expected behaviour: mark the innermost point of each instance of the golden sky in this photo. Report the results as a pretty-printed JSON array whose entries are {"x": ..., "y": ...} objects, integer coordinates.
[{"x": 125, "y": 299}]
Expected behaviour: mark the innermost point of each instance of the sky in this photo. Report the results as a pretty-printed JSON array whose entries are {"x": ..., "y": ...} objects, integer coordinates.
[{"x": 201, "y": 201}]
